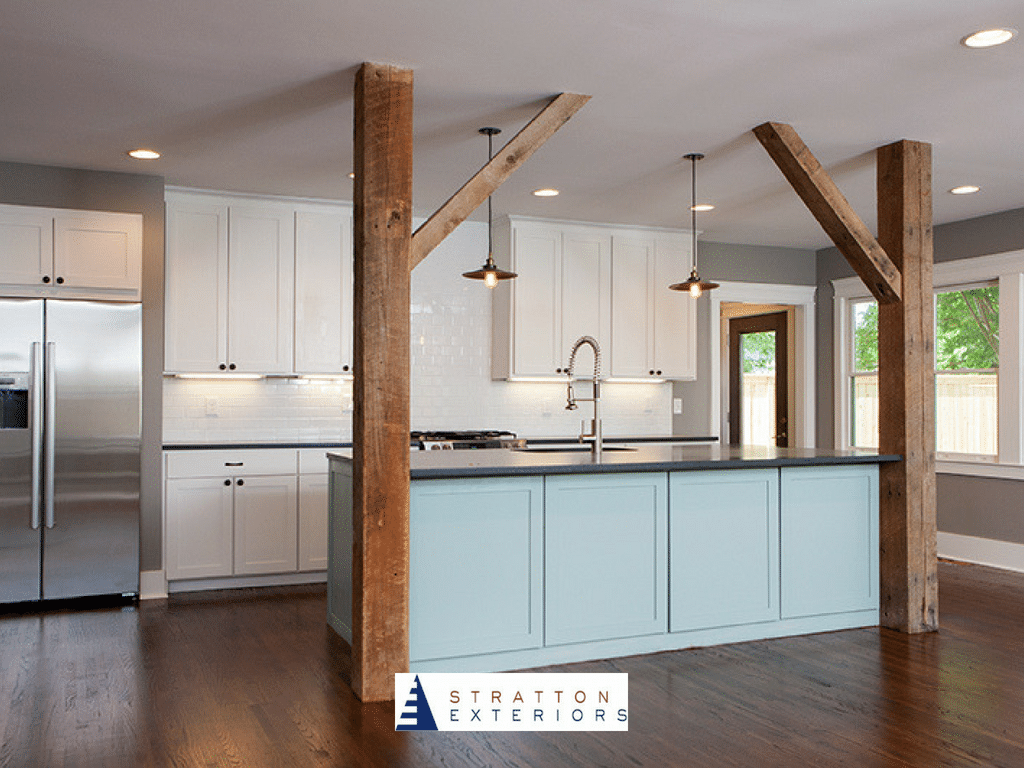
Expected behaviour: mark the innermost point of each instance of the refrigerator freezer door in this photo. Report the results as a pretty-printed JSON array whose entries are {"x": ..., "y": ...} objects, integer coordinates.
[
  {"x": 21, "y": 326},
  {"x": 92, "y": 547}
]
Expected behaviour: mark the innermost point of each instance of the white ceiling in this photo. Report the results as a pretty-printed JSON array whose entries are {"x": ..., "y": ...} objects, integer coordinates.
[{"x": 256, "y": 96}]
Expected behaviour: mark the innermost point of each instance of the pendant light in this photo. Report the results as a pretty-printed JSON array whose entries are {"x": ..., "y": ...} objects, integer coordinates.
[
  {"x": 489, "y": 272},
  {"x": 693, "y": 283}
]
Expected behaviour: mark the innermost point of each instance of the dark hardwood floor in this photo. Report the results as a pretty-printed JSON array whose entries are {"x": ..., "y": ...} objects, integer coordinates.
[{"x": 254, "y": 678}]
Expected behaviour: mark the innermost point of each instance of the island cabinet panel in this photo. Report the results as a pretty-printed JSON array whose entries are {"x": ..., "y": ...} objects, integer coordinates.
[
  {"x": 724, "y": 548},
  {"x": 606, "y": 555},
  {"x": 829, "y": 540},
  {"x": 475, "y": 566}
]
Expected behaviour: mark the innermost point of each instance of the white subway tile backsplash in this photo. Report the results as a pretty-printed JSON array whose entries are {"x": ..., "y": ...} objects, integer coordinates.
[{"x": 451, "y": 383}]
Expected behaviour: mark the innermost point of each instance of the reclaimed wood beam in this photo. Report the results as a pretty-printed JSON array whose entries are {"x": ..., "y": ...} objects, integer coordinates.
[
  {"x": 906, "y": 393},
  {"x": 833, "y": 212},
  {"x": 460, "y": 205},
  {"x": 380, "y": 422}
]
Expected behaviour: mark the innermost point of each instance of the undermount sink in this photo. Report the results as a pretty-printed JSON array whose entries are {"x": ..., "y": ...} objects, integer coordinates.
[{"x": 570, "y": 448}]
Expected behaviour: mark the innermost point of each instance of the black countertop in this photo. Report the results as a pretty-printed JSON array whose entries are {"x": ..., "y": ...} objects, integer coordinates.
[
  {"x": 531, "y": 440},
  {"x": 643, "y": 458}
]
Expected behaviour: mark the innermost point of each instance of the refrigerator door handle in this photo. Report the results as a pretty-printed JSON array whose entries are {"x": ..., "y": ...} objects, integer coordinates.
[
  {"x": 50, "y": 431},
  {"x": 37, "y": 433}
]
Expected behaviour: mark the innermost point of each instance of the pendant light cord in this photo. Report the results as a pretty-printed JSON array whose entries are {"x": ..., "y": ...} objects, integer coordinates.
[
  {"x": 490, "y": 156},
  {"x": 693, "y": 209}
]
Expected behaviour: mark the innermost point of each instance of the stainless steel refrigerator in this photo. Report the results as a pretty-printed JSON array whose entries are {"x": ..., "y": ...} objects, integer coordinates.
[{"x": 70, "y": 422}]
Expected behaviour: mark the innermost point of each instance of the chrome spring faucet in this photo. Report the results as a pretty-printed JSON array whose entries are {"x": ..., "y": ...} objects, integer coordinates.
[{"x": 595, "y": 433}]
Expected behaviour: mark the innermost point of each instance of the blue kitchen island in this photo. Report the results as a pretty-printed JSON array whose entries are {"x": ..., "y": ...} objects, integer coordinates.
[{"x": 524, "y": 558}]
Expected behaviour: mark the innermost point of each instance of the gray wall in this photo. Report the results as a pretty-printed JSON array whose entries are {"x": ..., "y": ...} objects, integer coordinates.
[
  {"x": 53, "y": 187},
  {"x": 972, "y": 506},
  {"x": 731, "y": 263}
]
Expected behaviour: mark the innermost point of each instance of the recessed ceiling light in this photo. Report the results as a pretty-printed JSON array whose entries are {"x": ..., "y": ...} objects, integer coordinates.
[
  {"x": 144, "y": 154},
  {"x": 965, "y": 189},
  {"x": 546, "y": 192},
  {"x": 702, "y": 207},
  {"x": 986, "y": 38}
]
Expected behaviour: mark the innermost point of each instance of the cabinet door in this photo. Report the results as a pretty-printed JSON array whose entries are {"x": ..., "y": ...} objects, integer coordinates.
[
  {"x": 196, "y": 286},
  {"x": 475, "y": 578},
  {"x": 724, "y": 547},
  {"x": 585, "y": 294},
  {"x": 675, "y": 313},
  {"x": 632, "y": 307},
  {"x": 313, "y": 495},
  {"x": 98, "y": 250},
  {"x": 26, "y": 246},
  {"x": 606, "y": 556},
  {"x": 323, "y": 292},
  {"x": 536, "y": 303},
  {"x": 829, "y": 540},
  {"x": 261, "y": 269},
  {"x": 266, "y": 524},
  {"x": 198, "y": 512}
]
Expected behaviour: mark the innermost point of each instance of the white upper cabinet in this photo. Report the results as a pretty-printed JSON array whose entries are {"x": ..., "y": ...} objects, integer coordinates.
[
  {"x": 653, "y": 328},
  {"x": 52, "y": 252},
  {"x": 581, "y": 280},
  {"x": 323, "y": 290},
  {"x": 675, "y": 312},
  {"x": 261, "y": 288},
  {"x": 196, "y": 285},
  {"x": 229, "y": 285},
  {"x": 561, "y": 294}
]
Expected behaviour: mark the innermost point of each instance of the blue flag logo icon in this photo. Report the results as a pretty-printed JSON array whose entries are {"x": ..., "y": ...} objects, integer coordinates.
[{"x": 416, "y": 714}]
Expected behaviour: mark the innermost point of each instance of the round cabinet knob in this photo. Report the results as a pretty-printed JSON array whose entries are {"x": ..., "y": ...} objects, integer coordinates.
[
  {"x": 651, "y": 372},
  {"x": 222, "y": 367},
  {"x": 227, "y": 482},
  {"x": 46, "y": 278},
  {"x": 344, "y": 367},
  {"x": 240, "y": 482},
  {"x": 558, "y": 370},
  {"x": 60, "y": 281},
  {"x": 232, "y": 366},
  {"x": 659, "y": 373}
]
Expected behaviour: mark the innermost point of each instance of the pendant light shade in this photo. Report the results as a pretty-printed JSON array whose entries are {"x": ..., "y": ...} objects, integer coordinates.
[
  {"x": 489, "y": 272},
  {"x": 693, "y": 284}
]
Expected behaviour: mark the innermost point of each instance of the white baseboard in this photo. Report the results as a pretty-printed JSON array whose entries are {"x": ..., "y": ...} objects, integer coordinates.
[
  {"x": 152, "y": 585},
  {"x": 971, "y": 549},
  {"x": 239, "y": 582}
]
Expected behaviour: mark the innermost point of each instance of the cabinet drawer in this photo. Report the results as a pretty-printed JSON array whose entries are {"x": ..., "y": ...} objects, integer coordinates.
[
  {"x": 232, "y": 462},
  {"x": 313, "y": 461}
]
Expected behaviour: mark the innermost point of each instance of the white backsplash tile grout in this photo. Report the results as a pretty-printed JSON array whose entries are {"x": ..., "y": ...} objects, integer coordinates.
[{"x": 451, "y": 384}]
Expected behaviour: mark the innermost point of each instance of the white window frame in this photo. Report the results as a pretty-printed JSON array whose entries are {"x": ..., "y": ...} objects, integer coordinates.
[{"x": 1008, "y": 270}]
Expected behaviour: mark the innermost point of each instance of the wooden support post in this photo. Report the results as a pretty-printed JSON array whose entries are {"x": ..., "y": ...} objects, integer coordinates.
[
  {"x": 906, "y": 392},
  {"x": 897, "y": 269},
  {"x": 380, "y": 424}
]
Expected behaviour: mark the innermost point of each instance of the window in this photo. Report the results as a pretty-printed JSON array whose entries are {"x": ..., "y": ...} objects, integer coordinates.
[
  {"x": 979, "y": 365},
  {"x": 864, "y": 375},
  {"x": 967, "y": 371}
]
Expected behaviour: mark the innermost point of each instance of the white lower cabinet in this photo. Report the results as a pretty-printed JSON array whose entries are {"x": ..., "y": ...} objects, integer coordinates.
[
  {"x": 244, "y": 513},
  {"x": 266, "y": 524},
  {"x": 199, "y": 524},
  {"x": 313, "y": 522}
]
